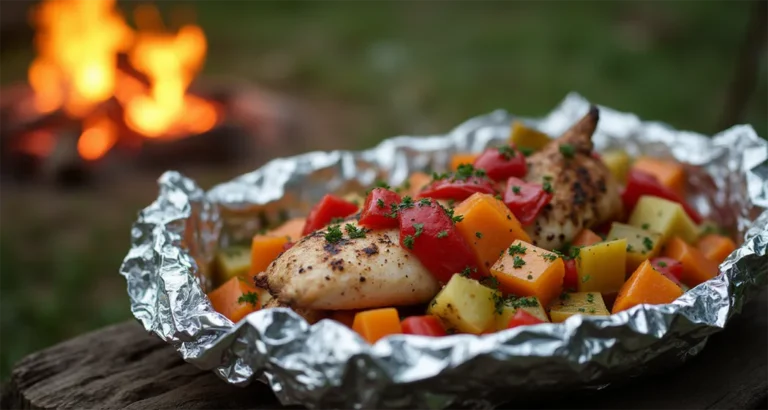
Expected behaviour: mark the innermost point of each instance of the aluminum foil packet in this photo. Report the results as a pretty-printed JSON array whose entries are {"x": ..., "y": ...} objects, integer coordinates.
[{"x": 328, "y": 365}]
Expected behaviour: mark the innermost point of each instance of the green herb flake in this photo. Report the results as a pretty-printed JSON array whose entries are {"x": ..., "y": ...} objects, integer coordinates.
[
  {"x": 630, "y": 248},
  {"x": 575, "y": 252},
  {"x": 567, "y": 150},
  {"x": 381, "y": 184},
  {"x": 333, "y": 234},
  {"x": 585, "y": 278},
  {"x": 547, "y": 185},
  {"x": 515, "y": 249},
  {"x": 549, "y": 256},
  {"x": 592, "y": 310},
  {"x": 442, "y": 234},
  {"x": 354, "y": 232},
  {"x": 490, "y": 281},
  {"x": 337, "y": 220},
  {"x": 662, "y": 264},
  {"x": 526, "y": 151},
  {"x": 516, "y": 189},
  {"x": 407, "y": 202},
  {"x": 425, "y": 202},
  {"x": 517, "y": 262},
  {"x": 498, "y": 303},
  {"x": 564, "y": 296},
  {"x": 251, "y": 298},
  {"x": 646, "y": 226},
  {"x": 419, "y": 229},
  {"x": 498, "y": 196},
  {"x": 380, "y": 203},
  {"x": 457, "y": 218},
  {"x": 590, "y": 298},
  {"x": 582, "y": 310},
  {"x": 648, "y": 243},
  {"x": 479, "y": 235},
  {"x": 507, "y": 152},
  {"x": 467, "y": 271},
  {"x": 408, "y": 241},
  {"x": 439, "y": 177}
]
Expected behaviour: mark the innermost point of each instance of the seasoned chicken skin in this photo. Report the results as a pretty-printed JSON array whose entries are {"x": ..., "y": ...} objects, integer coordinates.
[
  {"x": 585, "y": 193},
  {"x": 360, "y": 273}
]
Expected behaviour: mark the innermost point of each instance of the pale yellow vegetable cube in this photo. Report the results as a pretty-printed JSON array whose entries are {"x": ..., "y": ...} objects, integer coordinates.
[
  {"x": 231, "y": 262},
  {"x": 577, "y": 303},
  {"x": 465, "y": 305},
  {"x": 618, "y": 163},
  {"x": 525, "y": 137},
  {"x": 511, "y": 305},
  {"x": 642, "y": 243},
  {"x": 665, "y": 217},
  {"x": 601, "y": 267}
]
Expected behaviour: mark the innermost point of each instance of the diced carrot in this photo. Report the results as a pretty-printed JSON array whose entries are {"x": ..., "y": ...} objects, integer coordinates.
[
  {"x": 417, "y": 181},
  {"x": 291, "y": 229},
  {"x": 586, "y": 237},
  {"x": 462, "y": 158},
  {"x": 265, "y": 249},
  {"x": 488, "y": 227},
  {"x": 374, "y": 324},
  {"x": 696, "y": 267},
  {"x": 716, "y": 247},
  {"x": 345, "y": 317},
  {"x": 236, "y": 298},
  {"x": 526, "y": 270},
  {"x": 671, "y": 174},
  {"x": 646, "y": 285}
]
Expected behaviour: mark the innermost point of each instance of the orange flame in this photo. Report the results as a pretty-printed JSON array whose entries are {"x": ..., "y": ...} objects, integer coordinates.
[{"x": 78, "y": 42}]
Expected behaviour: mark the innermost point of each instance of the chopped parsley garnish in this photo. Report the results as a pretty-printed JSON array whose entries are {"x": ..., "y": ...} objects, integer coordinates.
[
  {"x": 547, "y": 185},
  {"x": 575, "y": 252},
  {"x": 498, "y": 302},
  {"x": 662, "y": 264},
  {"x": 498, "y": 196},
  {"x": 517, "y": 302},
  {"x": 479, "y": 235},
  {"x": 490, "y": 281},
  {"x": 582, "y": 310},
  {"x": 419, "y": 229},
  {"x": 439, "y": 177},
  {"x": 380, "y": 203},
  {"x": 442, "y": 234},
  {"x": 425, "y": 202},
  {"x": 648, "y": 243},
  {"x": 526, "y": 151},
  {"x": 466, "y": 171},
  {"x": 337, "y": 220},
  {"x": 451, "y": 202},
  {"x": 646, "y": 226},
  {"x": 630, "y": 248},
  {"x": 585, "y": 279},
  {"x": 567, "y": 150},
  {"x": 592, "y": 310},
  {"x": 516, "y": 189},
  {"x": 252, "y": 298},
  {"x": 590, "y": 298},
  {"x": 333, "y": 234},
  {"x": 514, "y": 249},
  {"x": 517, "y": 262},
  {"x": 507, "y": 152},
  {"x": 354, "y": 232},
  {"x": 407, "y": 202},
  {"x": 549, "y": 256},
  {"x": 408, "y": 241},
  {"x": 381, "y": 184},
  {"x": 564, "y": 296},
  {"x": 457, "y": 218},
  {"x": 467, "y": 271}
]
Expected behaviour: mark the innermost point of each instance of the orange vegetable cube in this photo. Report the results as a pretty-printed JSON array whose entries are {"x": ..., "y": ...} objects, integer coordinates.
[
  {"x": 488, "y": 227},
  {"x": 462, "y": 158},
  {"x": 696, "y": 267},
  {"x": 236, "y": 298},
  {"x": 417, "y": 181},
  {"x": 646, "y": 285},
  {"x": 586, "y": 237},
  {"x": 374, "y": 324},
  {"x": 526, "y": 270},
  {"x": 291, "y": 229},
  {"x": 716, "y": 247},
  {"x": 265, "y": 249},
  {"x": 670, "y": 173}
]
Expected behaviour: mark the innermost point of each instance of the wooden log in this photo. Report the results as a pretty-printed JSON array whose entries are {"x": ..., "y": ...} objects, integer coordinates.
[{"x": 123, "y": 367}]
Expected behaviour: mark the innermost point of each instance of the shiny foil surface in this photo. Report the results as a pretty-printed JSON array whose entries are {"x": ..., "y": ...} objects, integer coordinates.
[{"x": 328, "y": 365}]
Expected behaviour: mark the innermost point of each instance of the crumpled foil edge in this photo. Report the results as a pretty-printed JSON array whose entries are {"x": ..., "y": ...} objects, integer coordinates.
[{"x": 328, "y": 365}]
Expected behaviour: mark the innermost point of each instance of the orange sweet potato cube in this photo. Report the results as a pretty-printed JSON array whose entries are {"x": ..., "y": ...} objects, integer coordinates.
[
  {"x": 586, "y": 237},
  {"x": 670, "y": 173},
  {"x": 290, "y": 229},
  {"x": 374, "y": 324},
  {"x": 646, "y": 285},
  {"x": 264, "y": 250},
  {"x": 525, "y": 270},
  {"x": 696, "y": 267},
  {"x": 236, "y": 298},
  {"x": 716, "y": 247},
  {"x": 488, "y": 227}
]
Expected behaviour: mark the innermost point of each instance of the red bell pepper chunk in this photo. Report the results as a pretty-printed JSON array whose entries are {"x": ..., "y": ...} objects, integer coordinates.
[
  {"x": 377, "y": 210},
  {"x": 324, "y": 211},
  {"x": 457, "y": 189},
  {"x": 502, "y": 163},
  {"x": 671, "y": 268},
  {"x": 571, "y": 278},
  {"x": 423, "y": 325},
  {"x": 525, "y": 199},
  {"x": 641, "y": 183},
  {"x": 428, "y": 232},
  {"x": 523, "y": 318}
]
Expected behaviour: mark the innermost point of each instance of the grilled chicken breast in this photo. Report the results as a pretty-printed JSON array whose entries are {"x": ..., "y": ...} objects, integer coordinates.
[
  {"x": 360, "y": 273},
  {"x": 585, "y": 193}
]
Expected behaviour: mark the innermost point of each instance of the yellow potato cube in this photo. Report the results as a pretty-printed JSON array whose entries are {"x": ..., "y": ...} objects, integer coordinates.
[
  {"x": 529, "y": 138},
  {"x": 665, "y": 217},
  {"x": 577, "y": 303},
  {"x": 618, "y": 162},
  {"x": 601, "y": 267},
  {"x": 231, "y": 262},
  {"x": 509, "y": 307},
  {"x": 465, "y": 305},
  {"x": 642, "y": 244}
]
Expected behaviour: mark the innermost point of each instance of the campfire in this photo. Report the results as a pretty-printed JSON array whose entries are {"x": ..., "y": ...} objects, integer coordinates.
[{"x": 99, "y": 88}]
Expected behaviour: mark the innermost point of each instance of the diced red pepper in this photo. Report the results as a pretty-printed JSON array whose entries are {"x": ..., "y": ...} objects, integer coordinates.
[
  {"x": 457, "y": 189},
  {"x": 671, "y": 268},
  {"x": 324, "y": 211},
  {"x": 523, "y": 318},
  {"x": 502, "y": 163},
  {"x": 429, "y": 233},
  {"x": 377, "y": 211},
  {"x": 641, "y": 183},
  {"x": 571, "y": 278},
  {"x": 423, "y": 325},
  {"x": 525, "y": 199}
]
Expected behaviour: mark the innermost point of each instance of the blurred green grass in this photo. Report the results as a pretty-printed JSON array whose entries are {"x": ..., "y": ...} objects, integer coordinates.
[{"x": 407, "y": 67}]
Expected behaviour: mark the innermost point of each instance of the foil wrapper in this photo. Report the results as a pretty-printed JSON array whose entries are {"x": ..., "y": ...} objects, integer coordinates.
[{"x": 327, "y": 365}]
